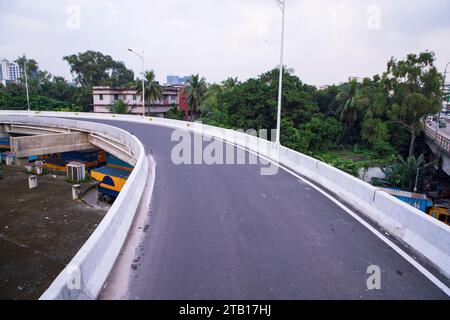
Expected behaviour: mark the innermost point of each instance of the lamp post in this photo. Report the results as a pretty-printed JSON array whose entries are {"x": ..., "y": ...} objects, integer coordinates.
[
  {"x": 443, "y": 97},
  {"x": 417, "y": 179},
  {"x": 282, "y": 5},
  {"x": 445, "y": 77},
  {"x": 143, "y": 79},
  {"x": 26, "y": 81}
]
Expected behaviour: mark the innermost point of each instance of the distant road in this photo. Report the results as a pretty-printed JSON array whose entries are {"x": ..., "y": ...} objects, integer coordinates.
[
  {"x": 226, "y": 232},
  {"x": 442, "y": 131}
]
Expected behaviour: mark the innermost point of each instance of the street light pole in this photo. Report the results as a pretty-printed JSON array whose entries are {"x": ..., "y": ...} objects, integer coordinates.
[
  {"x": 282, "y": 5},
  {"x": 143, "y": 78},
  {"x": 417, "y": 179},
  {"x": 443, "y": 97},
  {"x": 445, "y": 77},
  {"x": 26, "y": 81}
]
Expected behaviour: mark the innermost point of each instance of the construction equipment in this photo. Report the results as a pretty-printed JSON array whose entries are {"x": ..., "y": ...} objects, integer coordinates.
[{"x": 440, "y": 212}]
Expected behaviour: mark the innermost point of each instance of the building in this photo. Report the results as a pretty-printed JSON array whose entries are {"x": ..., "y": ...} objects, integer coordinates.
[
  {"x": 174, "y": 80},
  {"x": 10, "y": 72},
  {"x": 323, "y": 87},
  {"x": 104, "y": 97},
  {"x": 182, "y": 101}
]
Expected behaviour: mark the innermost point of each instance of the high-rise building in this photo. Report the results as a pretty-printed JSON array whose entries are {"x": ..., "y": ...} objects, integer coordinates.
[
  {"x": 446, "y": 98},
  {"x": 171, "y": 79},
  {"x": 4, "y": 69},
  {"x": 10, "y": 71}
]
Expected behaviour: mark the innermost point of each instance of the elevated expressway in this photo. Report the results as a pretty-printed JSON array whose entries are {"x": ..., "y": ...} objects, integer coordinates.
[
  {"x": 439, "y": 141},
  {"x": 228, "y": 232}
]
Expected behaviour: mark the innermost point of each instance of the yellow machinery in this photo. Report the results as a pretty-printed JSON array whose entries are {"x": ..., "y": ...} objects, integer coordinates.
[{"x": 441, "y": 213}]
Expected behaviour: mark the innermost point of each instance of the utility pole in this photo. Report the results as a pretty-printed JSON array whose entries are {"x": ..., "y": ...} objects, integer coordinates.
[
  {"x": 26, "y": 81},
  {"x": 445, "y": 78},
  {"x": 143, "y": 78},
  {"x": 282, "y": 5}
]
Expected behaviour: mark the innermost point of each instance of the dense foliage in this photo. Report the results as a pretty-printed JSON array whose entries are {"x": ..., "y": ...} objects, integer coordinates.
[
  {"x": 153, "y": 90},
  {"x": 380, "y": 116},
  {"x": 119, "y": 107},
  {"x": 373, "y": 122},
  {"x": 53, "y": 93}
]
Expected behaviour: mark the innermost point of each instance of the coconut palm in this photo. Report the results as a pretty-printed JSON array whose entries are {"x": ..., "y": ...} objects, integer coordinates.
[
  {"x": 153, "y": 90},
  {"x": 348, "y": 110},
  {"x": 230, "y": 83},
  {"x": 196, "y": 90}
]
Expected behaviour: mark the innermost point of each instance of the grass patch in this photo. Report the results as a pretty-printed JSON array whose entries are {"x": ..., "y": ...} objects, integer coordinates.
[{"x": 352, "y": 159}]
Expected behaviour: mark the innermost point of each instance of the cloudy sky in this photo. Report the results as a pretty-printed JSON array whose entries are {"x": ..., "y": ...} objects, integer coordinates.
[{"x": 326, "y": 40}]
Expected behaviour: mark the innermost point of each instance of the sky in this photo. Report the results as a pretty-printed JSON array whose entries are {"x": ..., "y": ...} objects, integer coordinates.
[{"x": 326, "y": 41}]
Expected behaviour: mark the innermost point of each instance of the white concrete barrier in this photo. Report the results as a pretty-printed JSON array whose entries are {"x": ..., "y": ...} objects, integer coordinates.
[
  {"x": 426, "y": 236},
  {"x": 86, "y": 274}
]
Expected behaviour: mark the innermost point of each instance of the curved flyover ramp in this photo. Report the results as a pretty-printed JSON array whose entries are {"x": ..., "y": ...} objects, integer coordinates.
[{"x": 227, "y": 232}]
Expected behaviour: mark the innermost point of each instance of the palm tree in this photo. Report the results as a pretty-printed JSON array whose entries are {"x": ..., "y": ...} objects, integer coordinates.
[
  {"x": 230, "y": 83},
  {"x": 348, "y": 107},
  {"x": 196, "y": 91},
  {"x": 119, "y": 107},
  {"x": 153, "y": 90},
  {"x": 403, "y": 173}
]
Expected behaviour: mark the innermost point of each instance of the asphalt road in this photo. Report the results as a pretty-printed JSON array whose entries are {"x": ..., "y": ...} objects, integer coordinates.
[{"x": 226, "y": 232}]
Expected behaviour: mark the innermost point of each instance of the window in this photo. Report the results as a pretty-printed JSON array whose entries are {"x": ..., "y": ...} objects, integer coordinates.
[
  {"x": 134, "y": 97},
  {"x": 101, "y": 97},
  {"x": 116, "y": 97}
]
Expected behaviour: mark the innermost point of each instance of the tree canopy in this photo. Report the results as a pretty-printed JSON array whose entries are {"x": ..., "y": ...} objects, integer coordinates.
[
  {"x": 196, "y": 90},
  {"x": 93, "y": 68}
]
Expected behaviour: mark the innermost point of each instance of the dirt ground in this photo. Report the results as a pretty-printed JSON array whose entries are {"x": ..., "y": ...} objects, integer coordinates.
[{"x": 41, "y": 230}]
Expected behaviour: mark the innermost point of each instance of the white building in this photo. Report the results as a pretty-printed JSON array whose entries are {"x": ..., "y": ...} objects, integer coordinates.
[
  {"x": 323, "y": 87},
  {"x": 446, "y": 100},
  {"x": 10, "y": 71},
  {"x": 104, "y": 97}
]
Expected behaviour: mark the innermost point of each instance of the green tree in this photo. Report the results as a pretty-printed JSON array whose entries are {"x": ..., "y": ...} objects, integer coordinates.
[
  {"x": 348, "y": 111},
  {"x": 196, "y": 90},
  {"x": 61, "y": 89},
  {"x": 119, "y": 107},
  {"x": 324, "y": 132},
  {"x": 374, "y": 131},
  {"x": 210, "y": 102},
  {"x": 153, "y": 90},
  {"x": 93, "y": 68},
  {"x": 175, "y": 113},
  {"x": 326, "y": 100},
  {"x": 32, "y": 65},
  {"x": 253, "y": 104},
  {"x": 293, "y": 138},
  {"x": 402, "y": 174},
  {"x": 230, "y": 83},
  {"x": 413, "y": 88}
]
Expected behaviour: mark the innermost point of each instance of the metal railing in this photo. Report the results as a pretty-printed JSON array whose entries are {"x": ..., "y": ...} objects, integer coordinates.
[{"x": 441, "y": 141}]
